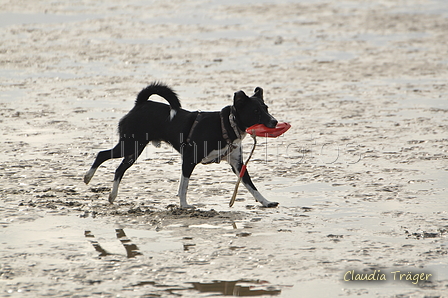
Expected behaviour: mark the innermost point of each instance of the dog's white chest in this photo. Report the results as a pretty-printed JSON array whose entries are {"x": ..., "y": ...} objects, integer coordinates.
[{"x": 217, "y": 155}]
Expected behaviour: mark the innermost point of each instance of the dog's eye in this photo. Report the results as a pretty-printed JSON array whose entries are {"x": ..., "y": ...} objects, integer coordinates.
[{"x": 257, "y": 111}]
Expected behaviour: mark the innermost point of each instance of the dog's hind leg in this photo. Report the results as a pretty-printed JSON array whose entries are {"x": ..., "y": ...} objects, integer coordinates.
[
  {"x": 102, "y": 156},
  {"x": 127, "y": 162}
]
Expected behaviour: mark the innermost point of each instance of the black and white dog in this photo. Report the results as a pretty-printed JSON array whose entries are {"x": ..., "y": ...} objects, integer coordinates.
[{"x": 201, "y": 137}]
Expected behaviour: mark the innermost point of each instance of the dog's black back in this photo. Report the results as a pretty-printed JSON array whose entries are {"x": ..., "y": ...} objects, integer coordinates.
[{"x": 151, "y": 122}]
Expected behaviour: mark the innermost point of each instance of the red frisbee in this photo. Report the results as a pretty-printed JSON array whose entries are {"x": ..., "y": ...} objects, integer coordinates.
[{"x": 262, "y": 131}]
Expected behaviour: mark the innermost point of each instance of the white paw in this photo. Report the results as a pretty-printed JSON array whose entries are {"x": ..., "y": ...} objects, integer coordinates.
[
  {"x": 270, "y": 204},
  {"x": 114, "y": 192},
  {"x": 112, "y": 197},
  {"x": 88, "y": 176}
]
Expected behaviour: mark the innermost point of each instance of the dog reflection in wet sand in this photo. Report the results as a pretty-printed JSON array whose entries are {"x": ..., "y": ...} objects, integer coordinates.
[
  {"x": 237, "y": 288},
  {"x": 200, "y": 137},
  {"x": 131, "y": 249}
]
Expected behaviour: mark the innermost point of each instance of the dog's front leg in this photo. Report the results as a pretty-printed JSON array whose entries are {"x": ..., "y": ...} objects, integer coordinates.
[
  {"x": 236, "y": 161},
  {"x": 187, "y": 169},
  {"x": 183, "y": 186}
]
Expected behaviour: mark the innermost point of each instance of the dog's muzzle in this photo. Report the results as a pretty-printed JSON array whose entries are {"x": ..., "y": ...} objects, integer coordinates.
[{"x": 272, "y": 123}]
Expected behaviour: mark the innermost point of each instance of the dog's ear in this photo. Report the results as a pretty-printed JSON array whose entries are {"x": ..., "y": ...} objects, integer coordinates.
[
  {"x": 239, "y": 98},
  {"x": 258, "y": 92}
]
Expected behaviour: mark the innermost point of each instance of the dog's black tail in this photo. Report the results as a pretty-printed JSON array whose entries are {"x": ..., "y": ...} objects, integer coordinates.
[{"x": 163, "y": 91}]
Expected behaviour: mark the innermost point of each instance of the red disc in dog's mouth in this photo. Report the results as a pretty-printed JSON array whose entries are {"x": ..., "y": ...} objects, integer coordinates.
[{"x": 261, "y": 130}]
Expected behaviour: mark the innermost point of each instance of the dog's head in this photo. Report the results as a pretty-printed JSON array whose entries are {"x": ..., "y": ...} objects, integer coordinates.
[{"x": 252, "y": 110}]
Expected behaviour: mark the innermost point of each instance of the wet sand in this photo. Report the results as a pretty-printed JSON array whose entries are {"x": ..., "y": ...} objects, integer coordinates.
[{"x": 361, "y": 177}]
